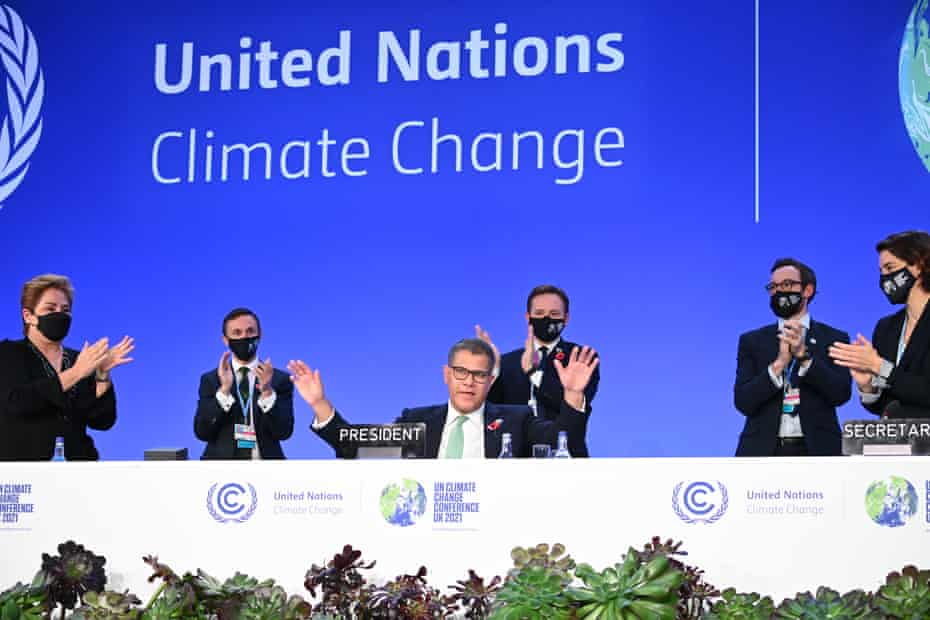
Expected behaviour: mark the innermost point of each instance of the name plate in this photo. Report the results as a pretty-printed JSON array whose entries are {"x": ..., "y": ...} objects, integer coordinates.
[
  {"x": 869, "y": 436},
  {"x": 385, "y": 440}
]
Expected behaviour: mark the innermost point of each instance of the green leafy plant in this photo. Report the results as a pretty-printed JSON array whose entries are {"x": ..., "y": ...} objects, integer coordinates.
[
  {"x": 694, "y": 593},
  {"x": 554, "y": 560},
  {"x": 827, "y": 605},
  {"x": 905, "y": 595},
  {"x": 25, "y": 601},
  {"x": 108, "y": 606},
  {"x": 340, "y": 583},
  {"x": 741, "y": 606},
  {"x": 474, "y": 596},
  {"x": 534, "y": 593},
  {"x": 628, "y": 591},
  {"x": 273, "y": 603},
  {"x": 72, "y": 573}
]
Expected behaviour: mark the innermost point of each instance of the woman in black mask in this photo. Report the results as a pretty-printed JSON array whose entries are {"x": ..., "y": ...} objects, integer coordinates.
[
  {"x": 893, "y": 371},
  {"x": 48, "y": 391}
]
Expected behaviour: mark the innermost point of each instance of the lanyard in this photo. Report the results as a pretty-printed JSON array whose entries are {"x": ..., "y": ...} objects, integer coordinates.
[{"x": 247, "y": 405}]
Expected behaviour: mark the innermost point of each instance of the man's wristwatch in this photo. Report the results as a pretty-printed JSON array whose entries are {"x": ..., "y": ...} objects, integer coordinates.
[{"x": 105, "y": 378}]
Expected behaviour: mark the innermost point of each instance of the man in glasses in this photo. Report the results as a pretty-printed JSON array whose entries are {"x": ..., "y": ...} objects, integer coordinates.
[
  {"x": 528, "y": 375},
  {"x": 787, "y": 385},
  {"x": 467, "y": 426}
]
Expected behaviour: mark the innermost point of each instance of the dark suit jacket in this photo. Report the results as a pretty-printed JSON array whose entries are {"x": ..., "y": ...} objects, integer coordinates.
[
  {"x": 215, "y": 426},
  {"x": 525, "y": 428},
  {"x": 825, "y": 387},
  {"x": 909, "y": 383},
  {"x": 34, "y": 409},
  {"x": 512, "y": 387}
]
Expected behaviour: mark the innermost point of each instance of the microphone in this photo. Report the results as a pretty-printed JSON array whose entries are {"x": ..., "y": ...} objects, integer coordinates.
[{"x": 892, "y": 410}]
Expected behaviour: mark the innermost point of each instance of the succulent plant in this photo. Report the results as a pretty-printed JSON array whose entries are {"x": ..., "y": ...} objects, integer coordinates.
[
  {"x": 474, "y": 596},
  {"x": 905, "y": 595},
  {"x": 339, "y": 581},
  {"x": 72, "y": 573},
  {"x": 553, "y": 559},
  {"x": 25, "y": 601},
  {"x": 827, "y": 605},
  {"x": 631, "y": 590},
  {"x": 406, "y": 597},
  {"x": 741, "y": 606},
  {"x": 694, "y": 592},
  {"x": 272, "y": 603},
  {"x": 535, "y": 593},
  {"x": 108, "y": 606}
]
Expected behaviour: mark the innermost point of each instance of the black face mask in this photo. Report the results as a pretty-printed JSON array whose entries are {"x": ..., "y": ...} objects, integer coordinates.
[
  {"x": 244, "y": 348},
  {"x": 54, "y": 325},
  {"x": 786, "y": 304},
  {"x": 897, "y": 286},
  {"x": 547, "y": 329}
]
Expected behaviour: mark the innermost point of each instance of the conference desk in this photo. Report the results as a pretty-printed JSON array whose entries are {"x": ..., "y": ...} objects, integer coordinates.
[{"x": 776, "y": 526}]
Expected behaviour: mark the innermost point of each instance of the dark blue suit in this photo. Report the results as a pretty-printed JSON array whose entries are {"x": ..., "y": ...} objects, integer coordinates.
[
  {"x": 825, "y": 387},
  {"x": 215, "y": 426},
  {"x": 512, "y": 387},
  {"x": 909, "y": 383},
  {"x": 525, "y": 429}
]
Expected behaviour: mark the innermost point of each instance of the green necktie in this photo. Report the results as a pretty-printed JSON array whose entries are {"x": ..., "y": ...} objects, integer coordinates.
[
  {"x": 456, "y": 446},
  {"x": 244, "y": 390}
]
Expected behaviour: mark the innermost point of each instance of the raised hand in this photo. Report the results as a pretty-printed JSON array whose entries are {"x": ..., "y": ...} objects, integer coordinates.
[
  {"x": 224, "y": 373},
  {"x": 793, "y": 335},
  {"x": 90, "y": 357},
  {"x": 529, "y": 348},
  {"x": 577, "y": 374},
  {"x": 310, "y": 387},
  {"x": 486, "y": 337},
  {"x": 116, "y": 356},
  {"x": 265, "y": 372},
  {"x": 860, "y": 355}
]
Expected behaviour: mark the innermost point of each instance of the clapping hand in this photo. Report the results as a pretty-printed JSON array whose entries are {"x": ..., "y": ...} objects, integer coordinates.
[
  {"x": 310, "y": 387},
  {"x": 90, "y": 357},
  {"x": 486, "y": 337},
  {"x": 576, "y": 375},
  {"x": 116, "y": 356},
  {"x": 793, "y": 336},
  {"x": 224, "y": 373},
  {"x": 265, "y": 372},
  {"x": 860, "y": 357}
]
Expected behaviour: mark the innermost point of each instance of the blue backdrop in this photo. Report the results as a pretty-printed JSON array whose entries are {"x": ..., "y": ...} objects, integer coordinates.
[{"x": 372, "y": 277}]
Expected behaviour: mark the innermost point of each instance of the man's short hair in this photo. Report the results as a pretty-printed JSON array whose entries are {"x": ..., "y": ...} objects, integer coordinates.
[
  {"x": 475, "y": 346},
  {"x": 913, "y": 247},
  {"x": 36, "y": 287},
  {"x": 807, "y": 274},
  {"x": 544, "y": 289},
  {"x": 236, "y": 313}
]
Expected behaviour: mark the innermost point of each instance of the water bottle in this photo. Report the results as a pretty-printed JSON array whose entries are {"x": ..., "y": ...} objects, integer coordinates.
[
  {"x": 59, "y": 456},
  {"x": 562, "y": 451},
  {"x": 506, "y": 448}
]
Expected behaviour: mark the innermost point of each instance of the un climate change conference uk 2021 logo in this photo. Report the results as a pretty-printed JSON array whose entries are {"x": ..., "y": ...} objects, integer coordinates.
[
  {"x": 699, "y": 501},
  {"x": 403, "y": 503},
  {"x": 231, "y": 502},
  {"x": 891, "y": 502},
  {"x": 25, "y": 88}
]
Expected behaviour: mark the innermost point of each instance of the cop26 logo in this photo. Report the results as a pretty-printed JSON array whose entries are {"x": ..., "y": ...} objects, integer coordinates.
[
  {"x": 700, "y": 501},
  {"x": 231, "y": 502},
  {"x": 25, "y": 88}
]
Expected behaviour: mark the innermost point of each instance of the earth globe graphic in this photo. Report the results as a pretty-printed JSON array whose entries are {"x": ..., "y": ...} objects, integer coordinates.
[
  {"x": 891, "y": 502},
  {"x": 914, "y": 79},
  {"x": 403, "y": 502}
]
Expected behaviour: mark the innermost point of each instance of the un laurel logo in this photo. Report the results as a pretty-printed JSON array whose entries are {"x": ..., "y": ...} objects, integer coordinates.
[
  {"x": 232, "y": 502},
  {"x": 697, "y": 503},
  {"x": 25, "y": 88}
]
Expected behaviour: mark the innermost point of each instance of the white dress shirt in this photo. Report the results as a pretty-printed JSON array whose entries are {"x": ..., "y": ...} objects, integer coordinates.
[
  {"x": 473, "y": 428},
  {"x": 791, "y": 424},
  {"x": 226, "y": 401}
]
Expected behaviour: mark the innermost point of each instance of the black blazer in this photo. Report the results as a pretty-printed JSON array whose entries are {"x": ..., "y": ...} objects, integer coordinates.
[
  {"x": 525, "y": 428},
  {"x": 34, "y": 409},
  {"x": 215, "y": 426},
  {"x": 909, "y": 383},
  {"x": 512, "y": 387},
  {"x": 824, "y": 387}
]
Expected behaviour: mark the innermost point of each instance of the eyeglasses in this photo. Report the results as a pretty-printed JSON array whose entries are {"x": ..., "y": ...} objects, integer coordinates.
[
  {"x": 461, "y": 373},
  {"x": 784, "y": 285}
]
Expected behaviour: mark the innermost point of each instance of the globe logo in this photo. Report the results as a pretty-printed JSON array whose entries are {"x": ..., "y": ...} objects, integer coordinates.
[
  {"x": 914, "y": 79},
  {"x": 403, "y": 503},
  {"x": 891, "y": 502}
]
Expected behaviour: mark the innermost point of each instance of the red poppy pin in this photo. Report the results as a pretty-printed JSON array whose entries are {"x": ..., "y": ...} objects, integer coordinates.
[
  {"x": 496, "y": 424},
  {"x": 559, "y": 355}
]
